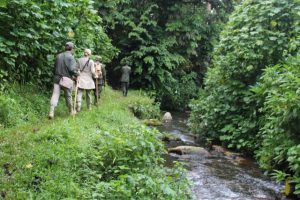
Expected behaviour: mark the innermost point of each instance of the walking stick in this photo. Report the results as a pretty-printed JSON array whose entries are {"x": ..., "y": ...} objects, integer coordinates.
[
  {"x": 97, "y": 92},
  {"x": 76, "y": 90}
]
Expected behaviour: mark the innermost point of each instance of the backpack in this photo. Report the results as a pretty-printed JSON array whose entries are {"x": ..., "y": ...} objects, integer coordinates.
[{"x": 98, "y": 70}]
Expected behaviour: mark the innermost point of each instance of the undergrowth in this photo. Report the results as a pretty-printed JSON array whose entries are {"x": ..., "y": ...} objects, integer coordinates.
[{"x": 102, "y": 154}]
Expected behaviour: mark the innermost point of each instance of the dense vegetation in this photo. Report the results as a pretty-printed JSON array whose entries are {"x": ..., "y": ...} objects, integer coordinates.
[
  {"x": 247, "y": 103},
  {"x": 249, "y": 75},
  {"x": 103, "y": 154},
  {"x": 167, "y": 43},
  {"x": 33, "y": 32}
]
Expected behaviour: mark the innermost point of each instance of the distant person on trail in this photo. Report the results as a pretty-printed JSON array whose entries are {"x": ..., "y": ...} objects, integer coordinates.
[
  {"x": 126, "y": 70},
  {"x": 65, "y": 66},
  {"x": 100, "y": 78},
  {"x": 86, "y": 69}
]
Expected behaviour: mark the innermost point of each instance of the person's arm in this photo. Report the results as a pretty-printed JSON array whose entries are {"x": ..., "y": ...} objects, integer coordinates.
[
  {"x": 93, "y": 68},
  {"x": 72, "y": 66},
  {"x": 55, "y": 64},
  {"x": 103, "y": 74}
]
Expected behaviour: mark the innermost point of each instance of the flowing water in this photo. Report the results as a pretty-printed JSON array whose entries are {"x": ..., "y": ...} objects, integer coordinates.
[{"x": 219, "y": 177}]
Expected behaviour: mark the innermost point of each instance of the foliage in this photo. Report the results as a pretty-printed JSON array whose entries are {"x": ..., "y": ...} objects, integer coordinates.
[
  {"x": 87, "y": 157},
  {"x": 159, "y": 38},
  {"x": 245, "y": 111},
  {"x": 145, "y": 109},
  {"x": 34, "y": 31},
  {"x": 257, "y": 35},
  {"x": 141, "y": 186},
  {"x": 177, "y": 91},
  {"x": 279, "y": 87},
  {"x": 22, "y": 104}
]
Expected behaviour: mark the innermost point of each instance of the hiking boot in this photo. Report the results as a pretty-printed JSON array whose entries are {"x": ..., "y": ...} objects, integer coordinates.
[
  {"x": 51, "y": 113},
  {"x": 50, "y": 116},
  {"x": 73, "y": 113},
  {"x": 78, "y": 108}
]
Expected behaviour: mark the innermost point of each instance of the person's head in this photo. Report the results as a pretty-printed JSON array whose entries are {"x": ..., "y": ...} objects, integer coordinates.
[
  {"x": 124, "y": 62},
  {"x": 69, "y": 46},
  {"x": 98, "y": 58},
  {"x": 87, "y": 52}
]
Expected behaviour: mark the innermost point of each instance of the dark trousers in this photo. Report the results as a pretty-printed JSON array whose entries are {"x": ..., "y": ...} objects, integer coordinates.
[{"x": 125, "y": 86}]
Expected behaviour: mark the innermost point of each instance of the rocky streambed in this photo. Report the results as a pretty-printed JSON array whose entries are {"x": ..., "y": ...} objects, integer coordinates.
[{"x": 217, "y": 174}]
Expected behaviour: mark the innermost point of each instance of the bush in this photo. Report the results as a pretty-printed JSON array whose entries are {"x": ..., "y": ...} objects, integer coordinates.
[
  {"x": 145, "y": 110},
  {"x": 30, "y": 40},
  {"x": 279, "y": 91},
  {"x": 245, "y": 103},
  {"x": 176, "y": 93},
  {"x": 154, "y": 184},
  {"x": 258, "y": 34}
]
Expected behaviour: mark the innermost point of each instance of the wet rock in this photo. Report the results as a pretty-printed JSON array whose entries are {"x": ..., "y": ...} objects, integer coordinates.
[
  {"x": 189, "y": 150},
  {"x": 152, "y": 122},
  {"x": 219, "y": 149},
  {"x": 241, "y": 160},
  {"x": 166, "y": 137},
  {"x": 167, "y": 117},
  {"x": 237, "y": 158},
  {"x": 232, "y": 155}
]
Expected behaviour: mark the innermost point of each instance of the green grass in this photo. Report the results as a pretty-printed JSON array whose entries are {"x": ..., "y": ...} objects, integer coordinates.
[{"x": 101, "y": 154}]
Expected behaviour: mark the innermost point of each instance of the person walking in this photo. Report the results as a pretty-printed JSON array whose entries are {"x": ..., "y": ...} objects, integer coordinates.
[
  {"x": 86, "y": 69},
  {"x": 65, "y": 68},
  {"x": 100, "y": 78},
  {"x": 126, "y": 70}
]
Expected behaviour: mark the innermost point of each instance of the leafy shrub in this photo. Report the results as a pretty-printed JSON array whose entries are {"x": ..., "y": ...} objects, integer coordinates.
[
  {"x": 257, "y": 35},
  {"x": 157, "y": 38},
  {"x": 119, "y": 151},
  {"x": 279, "y": 89},
  {"x": 177, "y": 92},
  {"x": 34, "y": 31},
  {"x": 263, "y": 119},
  {"x": 154, "y": 184},
  {"x": 145, "y": 110}
]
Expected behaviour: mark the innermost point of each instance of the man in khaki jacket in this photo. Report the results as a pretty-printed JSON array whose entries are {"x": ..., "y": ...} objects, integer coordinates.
[{"x": 86, "y": 69}]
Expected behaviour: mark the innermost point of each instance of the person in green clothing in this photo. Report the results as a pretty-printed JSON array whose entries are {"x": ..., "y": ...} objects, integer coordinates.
[
  {"x": 65, "y": 66},
  {"x": 126, "y": 70}
]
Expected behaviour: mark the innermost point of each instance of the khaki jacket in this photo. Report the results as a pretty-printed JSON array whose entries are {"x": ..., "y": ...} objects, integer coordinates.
[{"x": 85, "y": 79}]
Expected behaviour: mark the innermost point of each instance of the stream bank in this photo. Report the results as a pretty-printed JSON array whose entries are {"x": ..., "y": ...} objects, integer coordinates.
[{"x": 217, "y": 176}]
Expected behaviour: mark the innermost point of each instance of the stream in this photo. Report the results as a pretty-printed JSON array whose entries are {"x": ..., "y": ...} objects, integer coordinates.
[{"x": 218, "y": 176}]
